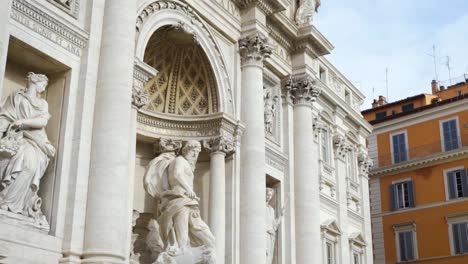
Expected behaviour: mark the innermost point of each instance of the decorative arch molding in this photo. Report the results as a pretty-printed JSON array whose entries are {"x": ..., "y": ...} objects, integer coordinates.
[{"x": 156, "y": 14}]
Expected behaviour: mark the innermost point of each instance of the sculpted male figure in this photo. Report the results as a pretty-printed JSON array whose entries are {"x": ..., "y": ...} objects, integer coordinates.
[
  {"x": 170, "y": 179},
  {"x": 272, "y": 224}
]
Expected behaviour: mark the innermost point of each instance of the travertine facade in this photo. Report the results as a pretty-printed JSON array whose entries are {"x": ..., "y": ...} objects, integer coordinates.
[{"x": 132, "y": 80}]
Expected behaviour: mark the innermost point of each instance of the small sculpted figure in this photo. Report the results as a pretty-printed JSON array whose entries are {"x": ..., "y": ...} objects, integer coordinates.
[
  {"x": 269, "y": 111},
  {"x": 306, "y": 10},
  {"x": 272, "y": 224},
  {"x": 25, "y": 150},
  {"x": 182, "y": 231}
]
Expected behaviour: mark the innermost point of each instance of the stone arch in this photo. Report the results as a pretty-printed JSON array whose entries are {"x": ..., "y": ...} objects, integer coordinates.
[{"x": 169, "y": 13}]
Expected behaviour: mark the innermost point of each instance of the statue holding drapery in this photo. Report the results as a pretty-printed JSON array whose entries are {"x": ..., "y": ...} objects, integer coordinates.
[{"x": 25, "y": 150}]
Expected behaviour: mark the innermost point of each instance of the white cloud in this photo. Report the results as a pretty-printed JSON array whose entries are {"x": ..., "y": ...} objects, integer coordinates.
[{"x": 371, "y": 35}]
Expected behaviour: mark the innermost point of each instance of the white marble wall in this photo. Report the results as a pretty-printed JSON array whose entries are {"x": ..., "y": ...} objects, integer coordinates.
[{"x": 72, "y": 63}]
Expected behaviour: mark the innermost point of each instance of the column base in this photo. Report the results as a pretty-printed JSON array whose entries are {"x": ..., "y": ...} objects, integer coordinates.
[{"x": 102, "y": 258}]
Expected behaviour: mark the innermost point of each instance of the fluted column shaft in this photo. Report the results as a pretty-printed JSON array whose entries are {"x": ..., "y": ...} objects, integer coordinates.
[
  {"x": 107, "y": 224},
  {"x": 307, "y": 197},
  {"x": 219, "y": 148},
  {"x": 253, "y": 50},
  {"x": 5, "y": 9}
]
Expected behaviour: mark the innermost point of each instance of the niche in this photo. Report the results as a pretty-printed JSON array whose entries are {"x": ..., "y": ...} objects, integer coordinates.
[{"x": 22, "y": 59}]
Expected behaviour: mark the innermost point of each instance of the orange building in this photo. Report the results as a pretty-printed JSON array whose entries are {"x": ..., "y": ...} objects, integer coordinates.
[{"x": 419, "y": 182}]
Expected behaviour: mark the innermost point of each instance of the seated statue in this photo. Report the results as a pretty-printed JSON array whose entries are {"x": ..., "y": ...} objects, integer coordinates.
[
  {"x": 186, "y": 237},
  {"x": 25, "y": 150}
]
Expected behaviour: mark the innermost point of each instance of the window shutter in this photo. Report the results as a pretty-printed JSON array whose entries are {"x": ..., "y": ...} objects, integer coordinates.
[
  {"x": 393, "y": 197},
  {"x": 452, "y": 187},
  {"x": 411, "y": 194},
  {"x": 409, "y": 245},
  {"x": 401, "y": 238},
  {"x": 465, "y": 182},
  {"x": 456, "y": 238},
  {"x": 464, "y": 237},
  {"x": 403, "y": 147}
]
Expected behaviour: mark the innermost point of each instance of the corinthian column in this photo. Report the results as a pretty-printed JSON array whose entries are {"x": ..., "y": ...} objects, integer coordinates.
[
  {"x": 253, "y": 50},
  {"x": 218, "y": 147},
  {"x": 107, "y": 213},
  {"x": 303, "y": 92}
]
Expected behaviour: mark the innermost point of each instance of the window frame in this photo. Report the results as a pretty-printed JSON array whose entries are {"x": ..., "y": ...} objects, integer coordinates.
[
  {"x": 351, "y": 165},
  {"x": 393, "y": 186},
  {"x": 441, "y": 129},
  {"x": 451, "y": 220},
  {"x": 405, "y": 133},
  {"x": 325, "y": 144},
  {"x": 446, "y": 182},
  {"x": 403, "y": 228}
]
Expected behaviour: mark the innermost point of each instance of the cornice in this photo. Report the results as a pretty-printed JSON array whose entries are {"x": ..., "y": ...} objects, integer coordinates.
[
  {"x": 420, "y": 163},
  {"x": 267, "y": 6}
]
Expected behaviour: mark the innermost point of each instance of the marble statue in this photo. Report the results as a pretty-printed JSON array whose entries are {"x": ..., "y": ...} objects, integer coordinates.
[
  {"x": 269, "y": 110},
  {"x": 306, "y": 10},
  {"x": 272, "y": 224},
  {"x": 185, "y": 236},
  {"x": 25, "y": 150}
]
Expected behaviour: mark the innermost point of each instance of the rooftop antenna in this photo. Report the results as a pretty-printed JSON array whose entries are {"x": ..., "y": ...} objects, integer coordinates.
[
  {"x": 447, "y": 63},
  {"x": 434, "y": 59},
  {"x": 386, "y": 82}
]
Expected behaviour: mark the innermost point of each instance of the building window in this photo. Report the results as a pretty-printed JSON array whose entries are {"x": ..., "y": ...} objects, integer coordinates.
[
  {"x": 449, "y": 131},
  {"x": 457, "y": 183},
  {"x": 350, "y": 163},
  {"x": 356, "y": 258},
  {"x": 347, "y": 97},
  {"x": 380, "y": 115},
  {"x": 324, "y": 146},
  {"x": 399, "y": 147},
  {"x": 323, "y": 75},
  {"x": 330, "y": 252},
  {"x": 406, "y": 242},
  {"x": 407, "y": 107},
  {"x": 402, "y": 195},
  {"x": 406, "y": 245},
  {"x": 460, "y": 237}
]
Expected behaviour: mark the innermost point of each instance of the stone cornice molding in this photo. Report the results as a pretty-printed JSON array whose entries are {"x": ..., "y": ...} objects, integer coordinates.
[
  {"x": 341, "y": 146},
  {"x": 170, "y": 126},
  {"x": 142, "y": 72},
  {"x": 223, "y": 144},
  {"x": 72, "y": 39},
  {"x": 433, "y": 160},
  {"x": 267, "y": 6},
  {"x": 254, "y": 49},
  {"x": 303, "y": 89}
]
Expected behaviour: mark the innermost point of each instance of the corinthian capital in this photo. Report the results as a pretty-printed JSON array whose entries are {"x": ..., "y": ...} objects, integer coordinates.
[
  {"x": 220, "y": 144},
  {"x": 254, "y": 49},
  {"x": 302, "y": 90}
]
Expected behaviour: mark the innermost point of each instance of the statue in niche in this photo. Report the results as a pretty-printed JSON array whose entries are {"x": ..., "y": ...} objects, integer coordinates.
[
  {"x": 269, "y": 102},
  {"x": 180, "y": 233},
  {"x": 25, "y": 150},
  {"x": 306, "y": 10},
  {"x": 272, "y": 224}
]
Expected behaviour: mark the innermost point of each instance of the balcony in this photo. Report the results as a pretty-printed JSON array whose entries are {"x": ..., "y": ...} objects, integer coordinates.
[{"x": 424, "y": 151}]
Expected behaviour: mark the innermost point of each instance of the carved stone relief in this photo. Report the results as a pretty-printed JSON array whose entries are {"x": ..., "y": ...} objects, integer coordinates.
[
  {"x": 44, "y": 24},
  {"x": 341, "y": 146},
  {"x": 306, "y": 10},
  {"x": 25, "y": 150},
  {"x": 365, "y": 163},
  {"x": 69, "y": 6}
]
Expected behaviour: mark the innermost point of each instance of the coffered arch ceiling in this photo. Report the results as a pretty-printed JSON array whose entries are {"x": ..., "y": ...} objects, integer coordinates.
[{"x": 185, "y": 83}]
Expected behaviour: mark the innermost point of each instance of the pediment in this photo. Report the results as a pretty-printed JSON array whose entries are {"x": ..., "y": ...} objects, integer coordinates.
[
  {"x": 357, "y": 239},
  {"x": 331, "y": 226}
]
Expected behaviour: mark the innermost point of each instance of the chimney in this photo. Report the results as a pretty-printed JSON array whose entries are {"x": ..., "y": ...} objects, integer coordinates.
[
  {"x": 375, "y": 104},
  {"x": 382, "y": 100},
  {"x": 435, "y": 87}
]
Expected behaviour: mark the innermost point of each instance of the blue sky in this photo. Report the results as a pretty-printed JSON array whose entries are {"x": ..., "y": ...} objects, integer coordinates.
[{"x": 372, "y": 35}]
